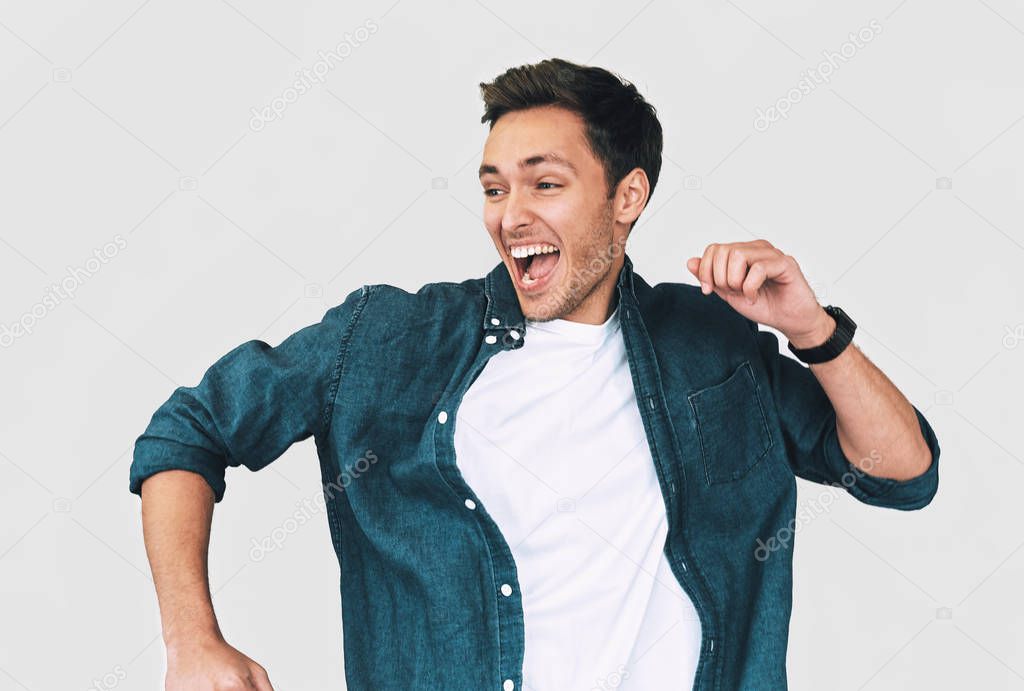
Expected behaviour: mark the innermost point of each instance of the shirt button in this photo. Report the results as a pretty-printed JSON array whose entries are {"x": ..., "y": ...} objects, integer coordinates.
[
  {"x": 514, "y": 334},
  {"x": 508, "y": 685},
  {"x": 442, "y": 417},
  {"x": 495, "y": 321},
  {"x": 506, "y": 589},
  {"x": 470, "y": 504},
  {"x": 491, "y": 339}
]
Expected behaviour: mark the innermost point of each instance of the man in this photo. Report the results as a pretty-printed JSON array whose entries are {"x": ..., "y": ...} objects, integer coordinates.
[{"x": 555, "y": 477}]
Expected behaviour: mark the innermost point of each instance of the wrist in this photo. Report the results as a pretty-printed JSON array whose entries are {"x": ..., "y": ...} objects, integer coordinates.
[
  {"x": 176, "y": 640},
  {"x": 816, "y": 335}
]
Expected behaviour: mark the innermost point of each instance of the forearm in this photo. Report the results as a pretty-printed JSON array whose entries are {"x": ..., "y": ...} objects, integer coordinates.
[
  {"x": 177, "y": 512},
  {"x": 876, "y": 425}
]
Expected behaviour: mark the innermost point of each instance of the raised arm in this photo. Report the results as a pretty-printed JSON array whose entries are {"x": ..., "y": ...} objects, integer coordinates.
[{"x": 840, "y": 410}]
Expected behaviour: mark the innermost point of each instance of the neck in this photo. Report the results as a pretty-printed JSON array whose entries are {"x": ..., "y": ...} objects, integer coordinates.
[{"x": 596, "y": 307}]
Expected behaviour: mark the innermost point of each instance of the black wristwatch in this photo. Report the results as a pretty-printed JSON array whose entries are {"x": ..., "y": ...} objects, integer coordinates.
[{"x": 836, "y": 343}]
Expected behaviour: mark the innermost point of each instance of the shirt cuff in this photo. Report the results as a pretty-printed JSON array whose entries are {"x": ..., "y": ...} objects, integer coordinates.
[
  {"x": 906, "y": 495},
  {"x": 155, "y": 455}
]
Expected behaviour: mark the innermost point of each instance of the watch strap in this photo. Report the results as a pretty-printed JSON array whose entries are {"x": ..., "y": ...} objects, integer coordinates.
[{"x": 841, "y": 337}]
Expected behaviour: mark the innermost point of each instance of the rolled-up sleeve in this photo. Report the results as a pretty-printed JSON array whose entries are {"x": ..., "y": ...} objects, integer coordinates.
[
  {"x": 810, "y": 435},
  {"x": 250, "y": 405}
]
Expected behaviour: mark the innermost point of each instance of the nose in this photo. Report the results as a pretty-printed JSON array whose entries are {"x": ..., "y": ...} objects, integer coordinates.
[{"x": 517, "y": 211}]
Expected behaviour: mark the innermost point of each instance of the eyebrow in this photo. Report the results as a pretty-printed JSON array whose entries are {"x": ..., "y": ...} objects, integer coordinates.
[{"x": 534, "y": 160}]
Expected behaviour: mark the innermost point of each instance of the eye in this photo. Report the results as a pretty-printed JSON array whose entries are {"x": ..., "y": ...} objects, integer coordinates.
[
  {"x": 487, "y": 193},
  {"x": 553, "y": 185}
]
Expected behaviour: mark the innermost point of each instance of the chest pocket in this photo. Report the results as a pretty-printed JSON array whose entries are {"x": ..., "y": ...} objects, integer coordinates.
[{"x": 732, "y": 427}]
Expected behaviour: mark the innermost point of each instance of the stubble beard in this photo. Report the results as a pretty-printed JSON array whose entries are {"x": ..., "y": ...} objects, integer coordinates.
[{"x": 581, "y": 281}]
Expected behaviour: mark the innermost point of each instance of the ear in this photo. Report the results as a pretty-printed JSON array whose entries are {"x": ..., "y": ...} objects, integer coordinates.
[{"x": 631, "y": 196}]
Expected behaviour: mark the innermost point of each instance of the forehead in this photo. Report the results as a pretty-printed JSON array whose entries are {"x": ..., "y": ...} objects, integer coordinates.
[{"x": 521, "y": 135}]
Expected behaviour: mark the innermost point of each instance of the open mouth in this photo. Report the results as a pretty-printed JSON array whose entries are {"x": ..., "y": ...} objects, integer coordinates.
[{"x": 534, "y": 264}]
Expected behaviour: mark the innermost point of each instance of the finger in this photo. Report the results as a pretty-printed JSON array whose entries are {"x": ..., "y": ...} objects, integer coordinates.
[
  {"x": 767, "y": 268},
  {"x": 776, "y": 264},
  {"x": 706, "y": 268},
  {"x": 754, "y": 280},
  {"x": 736, "y": 270},
  {"x": 692, "y": 264},
  {"x": 721, "y": 265}
]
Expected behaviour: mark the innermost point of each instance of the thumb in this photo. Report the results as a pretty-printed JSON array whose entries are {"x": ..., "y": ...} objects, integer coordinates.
[{"x": 692, "y": 263}]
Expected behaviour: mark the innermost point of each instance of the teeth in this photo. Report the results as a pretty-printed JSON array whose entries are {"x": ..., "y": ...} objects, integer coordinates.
[{"x": 530, "y": 250}]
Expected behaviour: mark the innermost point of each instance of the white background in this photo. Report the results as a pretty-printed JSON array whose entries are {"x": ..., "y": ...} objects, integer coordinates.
[{"x": 121, "y": 119}]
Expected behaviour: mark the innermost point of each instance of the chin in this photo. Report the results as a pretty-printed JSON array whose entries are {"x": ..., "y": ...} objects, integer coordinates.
[{"x": 546, "y": 305}]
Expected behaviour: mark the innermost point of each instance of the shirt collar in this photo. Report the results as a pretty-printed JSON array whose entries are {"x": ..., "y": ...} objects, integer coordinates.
[{"x": 503, "y": 303}]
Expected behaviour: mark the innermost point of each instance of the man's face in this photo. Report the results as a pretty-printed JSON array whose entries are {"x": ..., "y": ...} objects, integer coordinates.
[{"x": 547, "y": 211}]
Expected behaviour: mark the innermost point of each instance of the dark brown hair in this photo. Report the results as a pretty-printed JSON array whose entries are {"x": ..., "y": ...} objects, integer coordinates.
[{"x": 622, "y": 129}]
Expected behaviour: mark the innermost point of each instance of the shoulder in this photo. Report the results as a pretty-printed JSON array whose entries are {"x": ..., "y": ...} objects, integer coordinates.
[{"x": 385, "y": 299}]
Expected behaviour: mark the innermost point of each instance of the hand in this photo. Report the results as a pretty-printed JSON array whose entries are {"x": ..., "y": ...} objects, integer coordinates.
[
  {"x": 764, "y": 285},
  {"x": 210, "y": 664}
]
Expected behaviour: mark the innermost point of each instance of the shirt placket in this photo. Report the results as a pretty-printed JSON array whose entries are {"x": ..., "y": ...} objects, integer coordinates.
[
  {"x": 497, "y": 336},
  {"x": 657, "y": 426}
]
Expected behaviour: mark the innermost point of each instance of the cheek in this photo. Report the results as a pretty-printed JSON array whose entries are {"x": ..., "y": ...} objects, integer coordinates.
[
  {"x": 578, "y": 230},
  {"x": 492, "y": 222},
  {"x": 562, "y": 212}
]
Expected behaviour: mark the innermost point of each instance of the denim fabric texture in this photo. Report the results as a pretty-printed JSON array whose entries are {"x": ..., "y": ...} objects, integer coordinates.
[{"x": 731, "y": 423}]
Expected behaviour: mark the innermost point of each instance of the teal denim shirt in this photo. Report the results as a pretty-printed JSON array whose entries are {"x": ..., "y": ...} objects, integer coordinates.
[{"x": 729, "y": 420}]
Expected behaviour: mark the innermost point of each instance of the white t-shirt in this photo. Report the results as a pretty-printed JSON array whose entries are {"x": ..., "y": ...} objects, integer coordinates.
[{"x": 550, "y": 439}]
